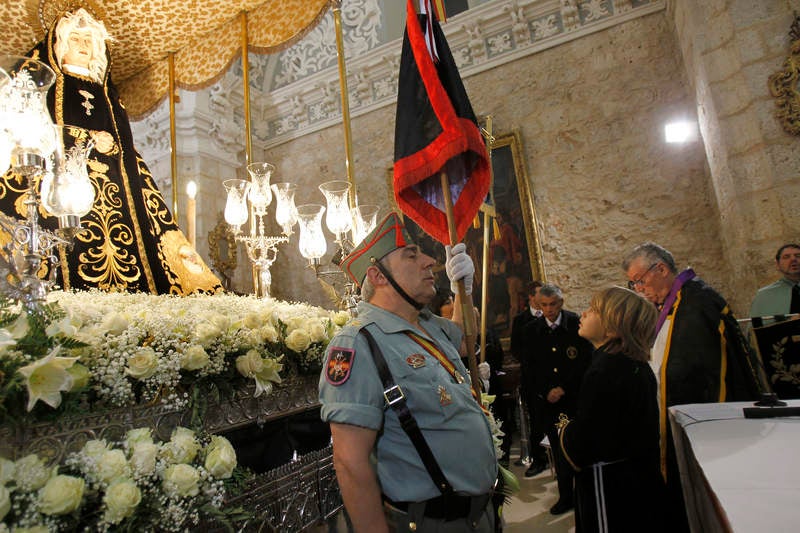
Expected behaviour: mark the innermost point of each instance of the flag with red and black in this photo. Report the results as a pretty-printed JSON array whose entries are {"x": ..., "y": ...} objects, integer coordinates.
[{"x": 436, "y": 132}]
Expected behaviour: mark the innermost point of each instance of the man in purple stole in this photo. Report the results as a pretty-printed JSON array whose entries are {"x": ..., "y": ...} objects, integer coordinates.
[{"x": 700, "y": 355}]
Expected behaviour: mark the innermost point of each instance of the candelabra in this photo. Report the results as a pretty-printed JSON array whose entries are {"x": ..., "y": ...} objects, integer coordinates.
[
  {"x": 262, "y": 248},
  {"x": 52, "y": 161}
]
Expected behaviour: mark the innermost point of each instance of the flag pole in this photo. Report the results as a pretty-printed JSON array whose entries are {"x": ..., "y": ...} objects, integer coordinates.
[{"x": 467, "y": 311}]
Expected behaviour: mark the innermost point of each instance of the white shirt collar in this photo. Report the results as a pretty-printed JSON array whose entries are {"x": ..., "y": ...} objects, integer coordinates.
[{"x": 557, "y": 321}]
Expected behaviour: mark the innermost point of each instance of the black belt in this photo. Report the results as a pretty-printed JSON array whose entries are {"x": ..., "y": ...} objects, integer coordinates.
[{"x": 447, "y": 508}]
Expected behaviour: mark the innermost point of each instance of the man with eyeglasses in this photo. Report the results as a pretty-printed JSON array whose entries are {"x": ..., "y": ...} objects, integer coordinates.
[{"x": 699, "y": 355}]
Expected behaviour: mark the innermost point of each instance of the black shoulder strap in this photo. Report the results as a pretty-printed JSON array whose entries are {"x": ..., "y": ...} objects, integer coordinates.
[{"x": 397, "y": 401}]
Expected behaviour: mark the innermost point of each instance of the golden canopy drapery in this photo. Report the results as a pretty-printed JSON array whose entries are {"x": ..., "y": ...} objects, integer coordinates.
[{"x": 205, "y": 36}]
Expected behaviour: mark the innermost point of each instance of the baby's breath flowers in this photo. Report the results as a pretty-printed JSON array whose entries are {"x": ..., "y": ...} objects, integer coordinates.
[
  {"x": 133, "y": 484},
  {"x": 120, "y": 349}
]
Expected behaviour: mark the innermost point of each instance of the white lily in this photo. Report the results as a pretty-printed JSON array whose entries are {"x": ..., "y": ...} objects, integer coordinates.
[{"x": 47, "y": 377}]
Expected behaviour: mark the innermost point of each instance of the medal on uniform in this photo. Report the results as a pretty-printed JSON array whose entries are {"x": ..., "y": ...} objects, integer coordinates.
[
  {"x": 444, "y": 396},
  {"x": 572, "y": 352},
  {"x": 416, "y": 360},
  {"x": 458, "y": 376}
]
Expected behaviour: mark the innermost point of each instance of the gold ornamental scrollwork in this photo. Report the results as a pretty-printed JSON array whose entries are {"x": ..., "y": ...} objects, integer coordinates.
[
  {"x": 223, "y": 258},
  {"x": 785, "y": 84}
]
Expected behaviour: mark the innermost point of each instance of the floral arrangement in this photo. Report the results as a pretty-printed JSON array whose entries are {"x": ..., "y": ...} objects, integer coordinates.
[
  {"x": 134, "y": 485},
  {"x": 120, "y": 349}
]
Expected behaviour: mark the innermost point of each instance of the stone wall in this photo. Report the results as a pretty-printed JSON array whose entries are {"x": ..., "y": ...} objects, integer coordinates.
[
  {"x": 730, "y": 50},
  {"x": 591, "y": 114}
]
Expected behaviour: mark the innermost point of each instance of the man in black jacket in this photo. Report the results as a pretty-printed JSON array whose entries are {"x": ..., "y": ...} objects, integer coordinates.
[
  {"x": 522, "y": 354},
  {"x": 560, "y": 357},
  {"x": 700, "y": 355}
]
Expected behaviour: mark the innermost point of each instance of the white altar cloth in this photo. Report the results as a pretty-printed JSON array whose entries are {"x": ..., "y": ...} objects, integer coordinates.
[{"x": 738, "y": 474}]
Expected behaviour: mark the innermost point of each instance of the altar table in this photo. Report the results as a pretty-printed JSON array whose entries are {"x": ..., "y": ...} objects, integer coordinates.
[{"x": 738, "y": 474}]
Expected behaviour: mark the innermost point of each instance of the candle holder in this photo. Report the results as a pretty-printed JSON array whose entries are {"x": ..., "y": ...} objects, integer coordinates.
[
  {"x": 339, "y": 218},
  {"x": 52, "y": 160},
  {"x": 262, "y": 249}
]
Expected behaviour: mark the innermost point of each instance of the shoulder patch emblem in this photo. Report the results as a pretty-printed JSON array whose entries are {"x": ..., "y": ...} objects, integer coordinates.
[{"x": 339, "y": 364}]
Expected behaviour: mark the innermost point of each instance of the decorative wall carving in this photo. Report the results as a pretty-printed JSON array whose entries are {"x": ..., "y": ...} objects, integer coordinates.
[
  {"x": 305, "y": 97},
  {"x": 785, "y": 84}
]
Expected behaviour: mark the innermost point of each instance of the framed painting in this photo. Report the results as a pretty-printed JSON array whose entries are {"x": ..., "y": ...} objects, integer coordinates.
[{"x": 513, "y": 253}]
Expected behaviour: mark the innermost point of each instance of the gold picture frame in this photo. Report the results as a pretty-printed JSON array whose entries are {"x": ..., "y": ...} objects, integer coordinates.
[
  {"x": 511, "y": 197},
  {"x": 785, "y": 84}
]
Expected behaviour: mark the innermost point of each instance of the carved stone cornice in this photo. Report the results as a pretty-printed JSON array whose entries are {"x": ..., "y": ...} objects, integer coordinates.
[{"x": 481, "y": 38}]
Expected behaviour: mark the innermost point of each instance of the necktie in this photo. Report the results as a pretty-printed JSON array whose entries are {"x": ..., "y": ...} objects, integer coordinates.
[
  {"x": 553, "y": 326},
  {"x": 795, "y": 305}
]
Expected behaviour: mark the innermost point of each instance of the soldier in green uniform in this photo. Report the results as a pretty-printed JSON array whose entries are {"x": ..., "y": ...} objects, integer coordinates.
[{"x": 385, "y": 483}]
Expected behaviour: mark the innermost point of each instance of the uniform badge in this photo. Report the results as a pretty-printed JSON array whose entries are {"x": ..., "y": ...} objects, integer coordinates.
[
  {"x": 339, "y": 364},
  {"x": 416, "y": 360},
  {"x": 444, "y": 396},
  {"x": 572, "y": 352}
]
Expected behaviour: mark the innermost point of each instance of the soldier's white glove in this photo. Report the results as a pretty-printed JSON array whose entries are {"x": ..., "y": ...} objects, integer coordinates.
[
  {"x": 459, "y": 266},
  {"x": 484, "y": 370}
]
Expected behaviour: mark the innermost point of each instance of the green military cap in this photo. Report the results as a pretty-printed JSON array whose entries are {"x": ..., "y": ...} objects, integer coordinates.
[{"x": 387, "y": 236}]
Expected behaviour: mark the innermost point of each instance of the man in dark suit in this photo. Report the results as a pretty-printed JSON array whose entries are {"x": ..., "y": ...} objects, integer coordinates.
[
  {"x": 560, "y": 357},
  {"x": 519, "y": 350}
]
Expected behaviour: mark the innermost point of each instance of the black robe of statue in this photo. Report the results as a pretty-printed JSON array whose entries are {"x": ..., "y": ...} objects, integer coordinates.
[
  {"x": 130, "y": 241},
  {"x": 613, "y": 444}
]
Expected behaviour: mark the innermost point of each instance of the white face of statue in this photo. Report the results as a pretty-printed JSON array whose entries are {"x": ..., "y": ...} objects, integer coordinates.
[{"x": 79, "y": 51}]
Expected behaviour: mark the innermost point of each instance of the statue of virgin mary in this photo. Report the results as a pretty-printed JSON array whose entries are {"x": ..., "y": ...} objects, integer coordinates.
[{"x": 130, "y": 240}]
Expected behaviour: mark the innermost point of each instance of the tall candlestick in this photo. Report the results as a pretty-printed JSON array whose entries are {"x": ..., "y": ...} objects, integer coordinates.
[{"x": 191, "y": 213}]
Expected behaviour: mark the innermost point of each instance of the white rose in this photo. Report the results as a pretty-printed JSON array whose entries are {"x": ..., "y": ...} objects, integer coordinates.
[
  {"x": 269, "y": 333},
  {"x": 6, "y": 471},
  {"x": 316, "y": 332},
  {"x": 121, "y": 499},
  {"x": 181, "y": 480},
  {"x": 250, "y": 364},
  {"x": 340, "y": 318},
  {"x": 253, "y": 321},
  {"x": 5, "y": 502},
  {"x": 30, "y": 473},
  {"x": 112, "y": 465},
  {"x": 194, "y": 358},
  {"x": 143, "y": 364},
  {"x": 94, "y": 449},
  {"x": 220, "y": 458},
  {"x": 222, "y": 322},
  {"x": 182, "y": 446},
  {"x": 80, "y": 376},
  {"x": 298, "y": 340},
  {"x": 61, "y": 495},
  {"x": 143, "y": 458},
  {"x": 206, "y": 332},
  {"x": 138, "y": 435},
  {"x": 114, "y": 323}
]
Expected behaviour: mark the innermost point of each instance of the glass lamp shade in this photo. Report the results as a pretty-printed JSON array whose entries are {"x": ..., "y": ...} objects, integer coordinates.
[
  {"x": 71, "y": 191},
  {"x": 365, "y": 217},
  {"x": 312, "y": 240},
  {"x": 260, "y": 193},
  {"x": 23, "y": 106},
  {"x": 338, "y": 218},
  {"x": 285, "y": 210},
  {"x": 236, "y": 204}
]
